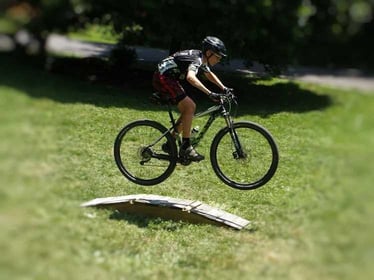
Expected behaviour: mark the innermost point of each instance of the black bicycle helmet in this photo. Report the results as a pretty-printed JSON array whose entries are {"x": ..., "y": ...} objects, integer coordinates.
[{"x": 214, "y": 44}]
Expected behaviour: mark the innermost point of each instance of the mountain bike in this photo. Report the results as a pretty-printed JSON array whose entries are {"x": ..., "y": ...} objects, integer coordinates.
[{"x": 243, "y": 154}]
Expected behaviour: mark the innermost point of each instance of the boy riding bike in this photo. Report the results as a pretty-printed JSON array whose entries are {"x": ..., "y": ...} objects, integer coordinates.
[{"x": 182, "y": 67}]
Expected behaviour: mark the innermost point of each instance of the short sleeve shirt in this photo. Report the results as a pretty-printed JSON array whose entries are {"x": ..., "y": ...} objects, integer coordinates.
[{"x": 178, "y": 64}]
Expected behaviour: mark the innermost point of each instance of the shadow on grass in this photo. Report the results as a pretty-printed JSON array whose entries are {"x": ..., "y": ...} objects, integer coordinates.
[
  {"x": 165, "y": 223},
  {"x": 256, "y": 99},
  {"x": 143, "y": 221},
  {"x": 265, "y": 100}
]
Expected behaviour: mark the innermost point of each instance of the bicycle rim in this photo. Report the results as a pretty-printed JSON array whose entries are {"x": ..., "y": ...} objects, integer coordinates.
[
  {"x": 140, "y": 158},
  {"x": 258, "y": 164}
]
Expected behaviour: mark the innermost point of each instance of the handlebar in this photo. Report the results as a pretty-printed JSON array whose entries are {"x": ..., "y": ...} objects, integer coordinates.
[{"x": 227, "y": 97}]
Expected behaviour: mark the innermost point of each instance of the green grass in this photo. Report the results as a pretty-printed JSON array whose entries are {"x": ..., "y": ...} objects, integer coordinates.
[
  {"x": 95, "y": 33},
  {"x": 313, "y": 220},
  {"x": 11, "y": 24}
]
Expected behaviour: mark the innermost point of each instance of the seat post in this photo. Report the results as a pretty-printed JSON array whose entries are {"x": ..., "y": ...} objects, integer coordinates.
[{"x": 172, "y": 120}]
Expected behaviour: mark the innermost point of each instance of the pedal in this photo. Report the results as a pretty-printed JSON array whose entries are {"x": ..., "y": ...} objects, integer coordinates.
[{"x": 185, "y": 161}]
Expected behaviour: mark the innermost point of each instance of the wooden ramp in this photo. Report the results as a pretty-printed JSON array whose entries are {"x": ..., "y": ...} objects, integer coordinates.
[{"x": 169, "y": 208}]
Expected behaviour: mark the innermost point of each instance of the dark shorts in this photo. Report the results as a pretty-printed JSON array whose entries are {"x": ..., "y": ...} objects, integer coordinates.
[{"x": 169, "y": 87}]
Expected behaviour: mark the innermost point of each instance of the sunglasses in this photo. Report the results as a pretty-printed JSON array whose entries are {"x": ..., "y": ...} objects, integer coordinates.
[{"x": 219, "y": 57}]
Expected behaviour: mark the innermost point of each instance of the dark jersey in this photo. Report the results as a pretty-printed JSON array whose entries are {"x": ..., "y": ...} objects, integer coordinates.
[{"x": 178, "y": 64}]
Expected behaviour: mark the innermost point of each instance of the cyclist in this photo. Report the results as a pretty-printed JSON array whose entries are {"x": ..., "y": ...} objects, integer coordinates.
[{"x": 181, "y": 67}]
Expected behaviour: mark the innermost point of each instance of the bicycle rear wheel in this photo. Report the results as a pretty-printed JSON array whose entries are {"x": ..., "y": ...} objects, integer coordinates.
[
  {"x": 138, "y": 152},
  {"x": 251, "y": 167}
]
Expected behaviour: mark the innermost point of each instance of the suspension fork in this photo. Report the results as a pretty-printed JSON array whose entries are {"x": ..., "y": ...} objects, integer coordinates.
[{"x": 238, "y": 153}]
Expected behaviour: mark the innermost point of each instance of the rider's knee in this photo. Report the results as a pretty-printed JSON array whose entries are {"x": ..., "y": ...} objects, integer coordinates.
[{"x": 187, "y": 105}]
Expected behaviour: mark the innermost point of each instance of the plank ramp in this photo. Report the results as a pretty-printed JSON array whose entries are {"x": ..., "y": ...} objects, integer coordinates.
[{"x": 170, "y": 208}]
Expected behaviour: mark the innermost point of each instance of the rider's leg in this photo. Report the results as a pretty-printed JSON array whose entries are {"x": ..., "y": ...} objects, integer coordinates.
[
  {"x": 187, "y": 109},
  {"x": 179, "y": 126},
  {"x": 186, "y": 106}
]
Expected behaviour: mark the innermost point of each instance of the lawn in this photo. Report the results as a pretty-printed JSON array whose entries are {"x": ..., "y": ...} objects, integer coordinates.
[{"x": 313, "y": 220}]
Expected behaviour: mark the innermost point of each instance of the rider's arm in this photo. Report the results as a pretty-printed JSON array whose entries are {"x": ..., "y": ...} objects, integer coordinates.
[
  {"x": 193, "y": 80},
  {"x": 214, "y": 79}
]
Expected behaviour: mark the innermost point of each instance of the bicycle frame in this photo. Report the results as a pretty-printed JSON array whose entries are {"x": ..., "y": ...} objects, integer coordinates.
[
  {"x": 230, "y": 149},
  {"x": 213, "y": 112}
]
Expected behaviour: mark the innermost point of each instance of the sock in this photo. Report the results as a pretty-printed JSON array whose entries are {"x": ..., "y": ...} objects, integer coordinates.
[{"x": 185, "y": 143}]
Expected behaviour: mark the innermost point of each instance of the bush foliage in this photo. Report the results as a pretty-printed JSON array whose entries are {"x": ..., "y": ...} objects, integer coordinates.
[{"x": 314, "y": 32}]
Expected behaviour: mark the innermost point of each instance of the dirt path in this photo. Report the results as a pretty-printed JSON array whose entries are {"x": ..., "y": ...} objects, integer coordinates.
[{"x": 346, "y": 78}]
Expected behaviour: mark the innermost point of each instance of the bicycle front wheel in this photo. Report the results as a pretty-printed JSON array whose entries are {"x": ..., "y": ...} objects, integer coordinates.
[
  {"x": 248, "y": 164},
  {"x": 139, "y": 154}
]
